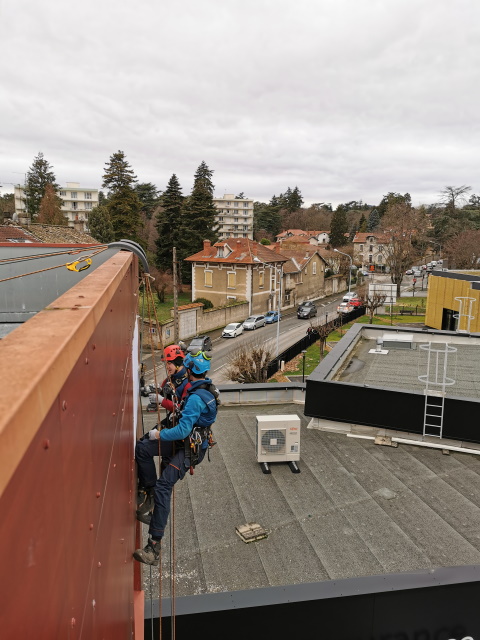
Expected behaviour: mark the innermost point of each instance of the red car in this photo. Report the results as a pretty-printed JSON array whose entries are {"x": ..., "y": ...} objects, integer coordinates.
[{"x": 355, "y": 302}]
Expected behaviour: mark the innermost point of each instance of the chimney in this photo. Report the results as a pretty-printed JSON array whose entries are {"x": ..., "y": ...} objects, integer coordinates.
[{"x": 206, "y": 244}]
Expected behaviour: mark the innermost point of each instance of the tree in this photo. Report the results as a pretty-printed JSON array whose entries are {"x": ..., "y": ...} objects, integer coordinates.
[
  {"x": 373, "y": 220},
  {"x": 392, "y": 198},
  {"x": 403, "y": 225},
  {"x": 339, "y": 228},
  {"x": 296, "y": 200},
  {"x": 241, "y": 196},
  {"x": 198, "y": 215},
  {"x": 266, "y": 218},
  {"x": 118, "y": 173},
  {"x": 38, "y": 176},
  {"x": 248, "y": 364},
  {"x": 148, "y": 195},
  {"x": 7, "y": 206},
  {"x": 362, "y": 225},
  {"x": 100, "y": 224},
  {"x": 123, "y": 202},
  {"x": 50, "y": 208},
  {"x": 168, "y": 224},
  {"x": 463, "y": 251},
  {"x": 372, "y": 301},
  {"x": 451, "y": 196}
]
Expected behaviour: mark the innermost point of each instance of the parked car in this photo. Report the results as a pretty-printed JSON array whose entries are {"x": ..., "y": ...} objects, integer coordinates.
[
  {"x": 254, "y": 322},
  {"x": 307, "y": 310},
  {"x": 232, "y": 330},
  {"x": 417, "y": 273},
  {"x": 272, "y": 316},
  {"x": 200, "y": 343},
  {"x": 344, "y": 307},
  {"x": 349, "y": 295},
  {"x": 409, "y": 272},
  {"x": 355, "y": 302}
]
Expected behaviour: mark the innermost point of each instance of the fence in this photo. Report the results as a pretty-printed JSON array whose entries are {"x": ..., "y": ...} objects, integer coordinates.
[{"x": 307, "y": 340}]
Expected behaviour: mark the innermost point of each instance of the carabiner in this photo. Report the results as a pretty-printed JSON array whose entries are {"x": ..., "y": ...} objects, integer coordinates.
[{"x": 74, "y": 266}]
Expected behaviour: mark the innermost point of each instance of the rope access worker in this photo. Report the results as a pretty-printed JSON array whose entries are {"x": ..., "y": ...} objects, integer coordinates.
[
  {"x": 182, "y": 447},
  {"x": 169, "y": 396}
]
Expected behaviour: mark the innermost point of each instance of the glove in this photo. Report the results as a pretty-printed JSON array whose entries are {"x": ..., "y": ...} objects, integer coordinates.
[{"x": 154, "y": 434}]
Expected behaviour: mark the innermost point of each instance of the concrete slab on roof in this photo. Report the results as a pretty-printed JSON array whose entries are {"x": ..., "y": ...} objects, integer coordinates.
[
  {"x": 399, "y": 368},
  {"x": 356, "y": 509}
]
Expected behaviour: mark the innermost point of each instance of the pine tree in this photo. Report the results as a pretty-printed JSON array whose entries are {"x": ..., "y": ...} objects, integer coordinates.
[
  {"x": 362, "y": 225},
  {"x": 339, "y": 228},
  {"x": 123, "y": 202},
  {"x": 148, "y": 196},
  {"x": 50, "y": 208},
  {"x": 100, "y": 225},
  {"x": 38, "y": 176},
  {"x": 168, "y": 225},
  {"x": 373, "y": 220},
  {"x": 296, "y": 201},
  {"x": 198, "y": 215}
]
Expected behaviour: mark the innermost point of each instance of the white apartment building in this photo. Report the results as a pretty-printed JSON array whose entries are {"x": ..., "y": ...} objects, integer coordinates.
[
  {"x": 234, "y": 217},
  {"x": 77, "y": 203}
]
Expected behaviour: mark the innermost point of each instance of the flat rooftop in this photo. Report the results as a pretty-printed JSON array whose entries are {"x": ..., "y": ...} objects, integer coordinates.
[
  {"x": 356, "y": 509},
  {"x": 399, "y": 368}
]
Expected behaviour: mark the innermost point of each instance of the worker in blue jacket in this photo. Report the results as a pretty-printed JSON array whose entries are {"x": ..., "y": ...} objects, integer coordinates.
[{"x": 198, "y": 413}]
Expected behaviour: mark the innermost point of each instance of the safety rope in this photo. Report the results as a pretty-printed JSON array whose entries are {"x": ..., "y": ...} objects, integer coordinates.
[
  {"x": 58, "y": 266},
  {"x": 151, "y": 307},
  {"x": 50, "y": 255}
]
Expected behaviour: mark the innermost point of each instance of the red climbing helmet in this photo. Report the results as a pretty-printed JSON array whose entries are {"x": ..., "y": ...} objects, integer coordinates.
[{"x": 171, "y": 353}]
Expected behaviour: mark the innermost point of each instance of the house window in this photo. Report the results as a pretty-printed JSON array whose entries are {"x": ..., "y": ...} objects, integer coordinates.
[
  {"x": 370, "y": 258},
  {"x": 88, "y": 205},
  {"x": 261, "y": 279},
  {"x": 235, "y": 204},
  {"x": 245, "y": 235},
  {"x": 74, "y": 205},
  {"x": 361, "y": 247},
  {"x": 235, "y": 219},
  {"x": 306, "y": 272},
  {"x": 231, "y": 279},
  {"x": 379, "y": 258},
  {"x": 88, "y": 195},
  {"x": 220, "y": 218},
  {"x": 245, "y": 204},
  {"x": 314, "y": 269},
  {"x": 245, "y": 227},
  {"x": 208, "y": 278},
  {"x": 228, "y": 204},
  {"x": 380, "y": 247},
  {"x": 219, "y": 252},
  {"x": 73, "y": 194},
  {"x": 63, "y": 193}
]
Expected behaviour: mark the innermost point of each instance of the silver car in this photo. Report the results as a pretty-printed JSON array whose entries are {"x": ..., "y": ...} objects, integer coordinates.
[
  {"x": 232, "y": 330},
  {"x": 254, "y": 322}
]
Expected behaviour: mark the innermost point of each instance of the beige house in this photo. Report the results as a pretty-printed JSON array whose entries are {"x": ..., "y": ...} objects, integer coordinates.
[
  {"x": 303, "y": 274},
  {"x": 370, "y": 250},
  {"x": 77, "y": 204},
  {"x": 237, "y": 269},
  {"x": 234, "y": 217}
]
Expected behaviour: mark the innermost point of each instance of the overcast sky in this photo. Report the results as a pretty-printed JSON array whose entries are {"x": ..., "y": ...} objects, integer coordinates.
[{"x": 348, "y": 99}]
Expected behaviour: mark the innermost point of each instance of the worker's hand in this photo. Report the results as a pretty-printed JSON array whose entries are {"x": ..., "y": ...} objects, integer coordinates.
[{"x": 154, "y": 434}]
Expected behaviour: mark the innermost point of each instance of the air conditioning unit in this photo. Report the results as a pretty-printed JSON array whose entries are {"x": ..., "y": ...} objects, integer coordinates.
[{"x": 278, "y": 440}]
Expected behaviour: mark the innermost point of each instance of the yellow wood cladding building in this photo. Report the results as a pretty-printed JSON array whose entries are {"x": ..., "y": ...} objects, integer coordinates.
[{"x": 447, "y": 290}]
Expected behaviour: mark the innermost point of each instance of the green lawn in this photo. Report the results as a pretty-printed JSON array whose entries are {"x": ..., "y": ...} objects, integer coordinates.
[{"x": 163, "y": 308}]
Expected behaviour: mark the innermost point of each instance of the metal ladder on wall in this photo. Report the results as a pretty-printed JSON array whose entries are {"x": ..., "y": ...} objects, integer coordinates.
[
  {"x": 433, "y": 415},
  {"x": 436, "y": 376}
]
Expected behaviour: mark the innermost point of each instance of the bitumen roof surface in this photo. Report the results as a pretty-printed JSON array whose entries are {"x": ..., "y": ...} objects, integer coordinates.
[
  {"x": 356, "y": 509},
  {"x": 399, "y": 368}
]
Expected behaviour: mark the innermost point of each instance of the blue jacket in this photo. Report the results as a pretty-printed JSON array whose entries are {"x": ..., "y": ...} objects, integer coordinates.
[
  {"x": 192, "y": 411},
  {"x": 177, "y": 376}
]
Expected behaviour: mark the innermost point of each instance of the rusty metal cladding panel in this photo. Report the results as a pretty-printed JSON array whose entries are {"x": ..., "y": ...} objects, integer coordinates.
[{"x": 68, "y": 524}]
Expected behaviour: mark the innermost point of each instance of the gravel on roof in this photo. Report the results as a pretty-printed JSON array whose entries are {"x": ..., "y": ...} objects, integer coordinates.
[{"x": 356, "y": 509}]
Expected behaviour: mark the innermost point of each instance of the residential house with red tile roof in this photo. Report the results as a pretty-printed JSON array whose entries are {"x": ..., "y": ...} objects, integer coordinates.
[
  {"x": 303, "y": 274},
  {"x": 236, "y": 269},
  {"x": 370, "y": 250}
]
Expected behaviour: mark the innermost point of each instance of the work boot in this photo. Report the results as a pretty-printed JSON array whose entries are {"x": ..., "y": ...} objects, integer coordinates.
[
  {"x": 145, "y": 508},
  {"x": 150, "y": 552}
]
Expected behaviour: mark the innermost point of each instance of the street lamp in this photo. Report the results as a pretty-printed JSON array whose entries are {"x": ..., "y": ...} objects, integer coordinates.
[
  {"x": 303, "y": 365},
  {"x": 278, "y": 270},
  {"x": 350, "y": 270}
]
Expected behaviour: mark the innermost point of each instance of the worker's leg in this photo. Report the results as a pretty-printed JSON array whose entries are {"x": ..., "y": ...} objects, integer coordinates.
[{"x": 145, "y": 451}]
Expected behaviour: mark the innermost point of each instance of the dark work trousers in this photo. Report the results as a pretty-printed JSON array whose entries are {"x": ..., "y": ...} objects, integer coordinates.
[{"x": 174, "y": 465}]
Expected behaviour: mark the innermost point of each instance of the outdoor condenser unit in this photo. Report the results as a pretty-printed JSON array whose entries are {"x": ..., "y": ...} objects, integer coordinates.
[{"x": 278, "y": 440}]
